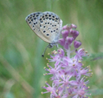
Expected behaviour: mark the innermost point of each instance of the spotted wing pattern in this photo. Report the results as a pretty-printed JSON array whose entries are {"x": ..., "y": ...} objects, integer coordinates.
[
  {"x": 46, "y": 25},
  {"x": 32, "y": 21}
]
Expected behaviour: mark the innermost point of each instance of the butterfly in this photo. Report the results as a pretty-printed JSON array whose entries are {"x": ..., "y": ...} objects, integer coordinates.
[{"x": 46, "y": 25}]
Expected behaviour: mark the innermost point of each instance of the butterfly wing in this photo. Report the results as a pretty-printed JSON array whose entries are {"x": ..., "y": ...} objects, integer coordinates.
[
  {"x": 46, "y": 25},
  {"x": 50, "y": 26}
]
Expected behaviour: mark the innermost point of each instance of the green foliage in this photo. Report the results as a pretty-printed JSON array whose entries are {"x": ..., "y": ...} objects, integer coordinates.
[{"x": 21, "y": 64}]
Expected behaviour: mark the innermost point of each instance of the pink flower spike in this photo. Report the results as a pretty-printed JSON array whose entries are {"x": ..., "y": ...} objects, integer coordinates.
[
  {"x": 73, "y": 26},
  {"x": 69, "y": 40},
  {"x": 65, "y": 33},
  {"x": 66, "y": 27},
  {"x": 77, "y": 44},
  {"x": 68, "y": 75},
  {"x": 61, "y": 53},
  {"x": 74, "y": 33},
  {"x": 62, "y": 41}
]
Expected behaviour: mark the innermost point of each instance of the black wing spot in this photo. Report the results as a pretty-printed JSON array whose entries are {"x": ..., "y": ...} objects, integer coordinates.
[
  {"x": 46, "y": 17},
  {"x": 41, "y": 21},
  {"x": 34, "y": 18},
  {"x": 44, "y": 31},
  {"x": 53, "y": 16},
  {"x": 29, "y": 22},
  {"x": 38, "y": 12},
  {"x": 49, "y": 15},
  {"x": 36, "y": 15},
  {"x": 47, "y": 34},
  {"x": 31, "y": 19},
  {"x": 49, "y": 18},
  {"x": 56, "y": 18},
  {"x": 44, "y": 26},
  {"x": 51, "y": 31},
  {"x": 48, "y": 22}
]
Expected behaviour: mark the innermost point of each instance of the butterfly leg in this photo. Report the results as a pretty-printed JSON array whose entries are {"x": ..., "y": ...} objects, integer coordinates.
[{"x": 45, "y": 50}]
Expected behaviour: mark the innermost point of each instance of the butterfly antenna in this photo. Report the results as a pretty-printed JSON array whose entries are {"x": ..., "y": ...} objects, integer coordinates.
[{"x": 45, "y": 50}]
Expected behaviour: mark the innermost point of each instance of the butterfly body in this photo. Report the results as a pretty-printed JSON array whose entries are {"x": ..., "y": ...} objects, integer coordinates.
[{"x": 47, "y": 25}]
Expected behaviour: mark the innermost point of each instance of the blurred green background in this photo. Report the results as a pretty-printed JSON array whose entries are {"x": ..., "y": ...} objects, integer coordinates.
[{"x": 21, "y": 64}]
